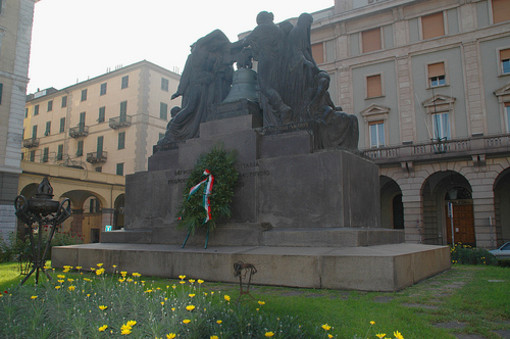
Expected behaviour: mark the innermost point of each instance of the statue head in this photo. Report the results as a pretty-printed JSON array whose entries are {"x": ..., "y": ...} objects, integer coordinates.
[
  {"x": 305, "y": 19},
  {"x": 265, "y": 17}
]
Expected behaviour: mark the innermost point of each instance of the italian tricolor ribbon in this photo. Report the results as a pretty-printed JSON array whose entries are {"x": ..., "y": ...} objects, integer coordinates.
[{"x": 209, "y": 181}]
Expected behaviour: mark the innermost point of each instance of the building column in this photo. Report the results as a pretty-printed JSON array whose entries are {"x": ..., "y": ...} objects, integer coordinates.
[
  {"x": 413, "y": 223},
  {"x": 8, "y": 192},
  {"x": 106, "y": 217},
  {"x": 405, "y": 100},
  {"x": 474, "y": 89},
  {"x": 484, "y": 214},
  {"x": 77, "y": 221}
]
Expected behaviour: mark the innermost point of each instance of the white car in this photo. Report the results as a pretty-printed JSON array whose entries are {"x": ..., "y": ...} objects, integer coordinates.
[{"x": 503, "y": 252}]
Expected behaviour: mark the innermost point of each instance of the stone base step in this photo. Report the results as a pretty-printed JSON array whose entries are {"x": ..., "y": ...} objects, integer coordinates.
[{"x": 388, "y": 267}]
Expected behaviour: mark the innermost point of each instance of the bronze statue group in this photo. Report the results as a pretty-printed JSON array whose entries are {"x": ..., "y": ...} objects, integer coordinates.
[{"x": 292, "y": 88}]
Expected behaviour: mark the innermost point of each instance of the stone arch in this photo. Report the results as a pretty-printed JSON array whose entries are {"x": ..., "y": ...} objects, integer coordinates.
[
  {"x": 392, "y": 208},
  {"x": 501, "y": 188},
  {"x": 439, "y": 189},
  {"x": 86, "y": 217}
]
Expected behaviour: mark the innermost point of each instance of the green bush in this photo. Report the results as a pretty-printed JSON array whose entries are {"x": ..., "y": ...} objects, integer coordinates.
[
  {"x": 504, "y": 262},
  {"x": 18, "y": 248},
  {"x": 467, "y": 255}
]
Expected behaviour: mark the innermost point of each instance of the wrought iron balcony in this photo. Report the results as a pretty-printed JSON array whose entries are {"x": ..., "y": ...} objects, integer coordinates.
[
  {"x": 30, "y": 143},
  {"x": 79, "y": 131},
  {"x": 119, "y": 122},
  {"x": 97, "y": 157},
  {"x": 444, "y": 149}
]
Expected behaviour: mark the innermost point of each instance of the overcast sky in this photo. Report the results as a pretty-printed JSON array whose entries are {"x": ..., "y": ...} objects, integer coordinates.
[{"x": 73, "y": 40}]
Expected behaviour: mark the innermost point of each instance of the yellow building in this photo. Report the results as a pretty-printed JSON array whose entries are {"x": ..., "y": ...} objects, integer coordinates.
[
  {"x": 106, "y": 124},
  {"x": 86, "y": 137},
  {"x": 15, "y": 34}
]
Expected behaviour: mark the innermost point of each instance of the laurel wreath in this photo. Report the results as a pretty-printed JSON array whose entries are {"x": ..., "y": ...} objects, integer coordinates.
[{"x": 221, "y": 164}]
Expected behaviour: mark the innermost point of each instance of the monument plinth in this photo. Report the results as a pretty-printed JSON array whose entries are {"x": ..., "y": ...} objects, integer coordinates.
[{"x": 306, "y": 208}]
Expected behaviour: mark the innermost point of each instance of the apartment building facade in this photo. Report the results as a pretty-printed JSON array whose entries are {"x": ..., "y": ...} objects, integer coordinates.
[
  {"x": 430, "y": 83},
  {"x": 106, "y": 124},
  {"x": 16, "y": 19},
  {"x": 99, "y": 129}
]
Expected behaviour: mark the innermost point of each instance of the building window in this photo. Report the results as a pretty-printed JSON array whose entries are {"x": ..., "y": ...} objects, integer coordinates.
[
  {"x": 83, "y": 95},
  {"x": 125, "y": 82},
  {"x": 500, "y": 10},
  {"x": 432, "y": 25},
  {"x": 441, "y": 126},
  {"x": 60, "y": 152},
  {"x": 507, "y": 116},
  {"x": 98, "y": 169},
  {"x": 120, "y": 169},
  {"x": 123, "y": 111},
  {"x": 504, "y": 57},
  {"x": 102, "y": 91},
  {"x": 32, "y": 156},
  {"x": 26, "y": 112},
  {"x": 46, "y": 153},
  {"x": 36, "y": 110},
  {"x": 34, "y": 132},
  {"x": 101, "y": 114},
  {"x": 318, "y": 53},
  {"x": 436, "y": 74},
  {"x": 163, "y": 110},
  {"x": 48, "y": 128},
  {"x": 79, "y": 150},
  {"x": 374, "y": 87},
  {"x": 122, "y": 140},
  {"x": 100, "y": 146},
  {"x": 376, "y": 131},
  {"x": 50, "y": 105},
  {"x": 164, "y": 84},
  {"x": 371, "y": 40},
  {"x": 1, "y": 89},
  {"x": 81, "y": 124},
  {"x": 62, "y": 125},
  {"x": 64, "y": 101}
]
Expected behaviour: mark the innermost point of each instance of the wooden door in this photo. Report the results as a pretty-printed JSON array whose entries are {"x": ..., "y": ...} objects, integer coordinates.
[{"x": 463, "y": 223}]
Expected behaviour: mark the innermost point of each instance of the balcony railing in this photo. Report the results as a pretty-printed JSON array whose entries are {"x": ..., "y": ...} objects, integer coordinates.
[
  {"x": 30, "y": 143},
  {"x": 97, "y": 157},
  {"x": 119, "y": 122},
  {"x": 455, "y": 148},
  {"x": 79, "y": 131}
]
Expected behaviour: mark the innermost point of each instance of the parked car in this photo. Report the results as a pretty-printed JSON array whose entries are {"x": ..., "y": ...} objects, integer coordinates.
[{"x": 503, "y": 252}]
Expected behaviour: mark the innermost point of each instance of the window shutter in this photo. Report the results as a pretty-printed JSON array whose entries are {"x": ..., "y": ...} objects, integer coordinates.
[
  {"x": 432, "y": 25},
  {"x": 436, "y": 70},
  {"x": 371, "y": 40}
]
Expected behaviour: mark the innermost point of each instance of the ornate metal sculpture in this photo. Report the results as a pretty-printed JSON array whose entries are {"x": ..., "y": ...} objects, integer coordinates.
[
  {"x": 41, "y": 210},
  {"x": 241, "y": 270}
]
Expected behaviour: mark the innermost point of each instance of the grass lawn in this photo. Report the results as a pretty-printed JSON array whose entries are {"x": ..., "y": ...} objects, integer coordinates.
[{"x": 466, "y": 300}]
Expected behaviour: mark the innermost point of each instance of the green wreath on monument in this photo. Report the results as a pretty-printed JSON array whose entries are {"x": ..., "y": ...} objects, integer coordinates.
[{"x": 208, "y": 193}]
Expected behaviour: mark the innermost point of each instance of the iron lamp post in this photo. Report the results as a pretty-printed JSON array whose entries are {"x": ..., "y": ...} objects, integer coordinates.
[{"x": 37, "y": 212}]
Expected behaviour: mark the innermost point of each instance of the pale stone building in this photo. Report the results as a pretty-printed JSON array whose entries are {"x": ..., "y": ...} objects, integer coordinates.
[
  {"x": 16, "y": 19},
  {"x": 101, "y": 128},
  {"x": 430, "y": 83}
]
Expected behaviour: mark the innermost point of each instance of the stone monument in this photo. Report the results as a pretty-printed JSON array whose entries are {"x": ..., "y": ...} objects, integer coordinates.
[{"x": 306, "y": 210}]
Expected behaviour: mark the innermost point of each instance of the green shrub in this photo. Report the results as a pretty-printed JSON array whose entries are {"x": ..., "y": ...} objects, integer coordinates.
[
  {"x": 18, "y": 248},
  {"x": 467, "y": 255},
  {"x": 504, "y": 262}
]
